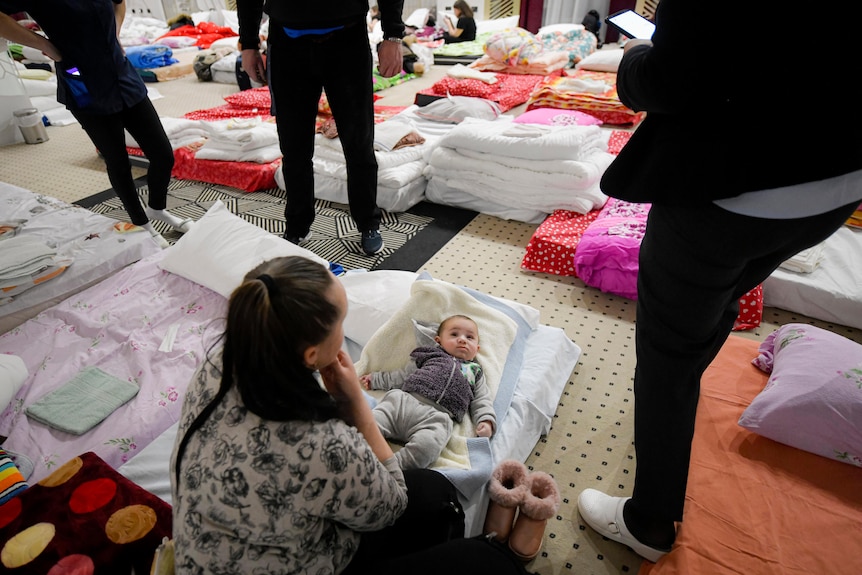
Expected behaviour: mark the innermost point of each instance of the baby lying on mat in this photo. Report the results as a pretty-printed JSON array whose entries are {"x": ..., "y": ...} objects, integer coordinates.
[{"x": 432, "y": 391}]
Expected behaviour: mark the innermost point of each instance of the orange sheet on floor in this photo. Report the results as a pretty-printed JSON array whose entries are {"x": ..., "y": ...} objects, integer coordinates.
[{"x": 755, "y": 506}]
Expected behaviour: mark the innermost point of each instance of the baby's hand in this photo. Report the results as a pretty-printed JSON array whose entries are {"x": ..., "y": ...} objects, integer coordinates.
[
  {"x": 365, "y": 380},
  {"x": 484, "y": 429}
]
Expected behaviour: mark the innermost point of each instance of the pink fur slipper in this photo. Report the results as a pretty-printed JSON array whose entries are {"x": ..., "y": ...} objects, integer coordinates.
[
  {"x": 540, "y": 504},
  {"x": 507, "y": 488}
]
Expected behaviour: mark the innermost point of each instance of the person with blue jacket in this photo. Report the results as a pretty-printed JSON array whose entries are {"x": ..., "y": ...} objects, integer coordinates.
[{"x": 104, "y": 92}]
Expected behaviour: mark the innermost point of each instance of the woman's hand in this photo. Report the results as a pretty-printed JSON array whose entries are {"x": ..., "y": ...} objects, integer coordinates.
[
  {"x": 51, "y": 51},
  {"x": 252, "y": 64},
  {"x": 341, "y": 381}
]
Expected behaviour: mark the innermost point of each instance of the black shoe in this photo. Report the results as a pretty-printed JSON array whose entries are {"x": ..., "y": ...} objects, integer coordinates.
[
  {"x": 372, "y": 243},
  {"x": 296, "y": 240}
]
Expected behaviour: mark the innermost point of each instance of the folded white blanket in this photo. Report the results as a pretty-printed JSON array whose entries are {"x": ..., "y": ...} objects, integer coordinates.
[
  {"x": 234, "y": 136},
  {"x": 566, "y": 185},
  {"x": 259, "y": 155},
  {"x": 180, "y": 131},
  {"x": 530, "y": 142},
  {"x": 330, "y": 149},
  {"x": 584, "y": 86},
  {"x": 463, "y": 72},
  {"x": 393, "y": 177},
  {"x": 23, "y": 256},
  {"x": 805, "y": 261}
]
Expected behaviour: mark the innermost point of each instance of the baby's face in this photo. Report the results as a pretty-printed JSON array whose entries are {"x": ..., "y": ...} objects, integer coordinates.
[{"x": 460, "y": 338}]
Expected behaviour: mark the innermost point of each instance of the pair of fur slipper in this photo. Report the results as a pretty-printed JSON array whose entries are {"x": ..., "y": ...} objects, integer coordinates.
[{"x": 521, "y": 502}]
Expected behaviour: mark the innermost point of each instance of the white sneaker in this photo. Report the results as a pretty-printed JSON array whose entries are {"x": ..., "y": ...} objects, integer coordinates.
[
  {"x": 605, "y": 514},
  {"x": 160, "y": 241}
]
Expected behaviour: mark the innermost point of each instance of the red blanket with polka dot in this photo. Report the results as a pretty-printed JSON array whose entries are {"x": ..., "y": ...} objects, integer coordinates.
[
  {"x": 552, "y": 249},
  {"x": 508, "y": 91}
]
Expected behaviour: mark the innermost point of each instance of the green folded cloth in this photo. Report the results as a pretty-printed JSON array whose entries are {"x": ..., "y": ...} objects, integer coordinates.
[{"x": 82, "y": 403}]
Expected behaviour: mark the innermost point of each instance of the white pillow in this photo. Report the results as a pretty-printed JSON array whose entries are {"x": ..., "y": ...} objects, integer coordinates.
[
  {"x": 372, "y": 298},
  {"x": 454, "y": 109},
  {"x": 497, "y": 24},
  {"x": 605, "y": 60},
  {"x": 418, "y": 18},
  {"x": 13, "y": 374},
  {"x": 221, "y": 248},
  {"x": 551, "y": 28}
]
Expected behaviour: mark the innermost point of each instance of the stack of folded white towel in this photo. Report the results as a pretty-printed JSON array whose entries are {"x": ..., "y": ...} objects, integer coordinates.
[
  {"x": 805, "y": 261},
  {"x": 24, "y": 263}
]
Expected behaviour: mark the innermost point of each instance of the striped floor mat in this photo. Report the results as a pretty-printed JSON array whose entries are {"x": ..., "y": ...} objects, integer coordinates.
[{"x": 426, "y": 227}]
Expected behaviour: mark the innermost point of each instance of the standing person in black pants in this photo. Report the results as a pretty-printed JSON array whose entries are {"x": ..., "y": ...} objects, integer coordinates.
[
  {"x": 104, "y": 93},
  {"x": 323, "y": 46},
  {"x": 730, "y": 203}
]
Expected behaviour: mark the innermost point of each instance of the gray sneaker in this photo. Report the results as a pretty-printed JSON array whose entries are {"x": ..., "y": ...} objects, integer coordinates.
[{"x": 372, "y": 243}]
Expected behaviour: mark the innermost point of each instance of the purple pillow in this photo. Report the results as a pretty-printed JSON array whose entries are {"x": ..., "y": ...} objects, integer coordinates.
[{"x": 813, "y": 398}]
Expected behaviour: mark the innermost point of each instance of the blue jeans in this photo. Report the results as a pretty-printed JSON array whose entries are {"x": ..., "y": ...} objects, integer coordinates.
[{"x": 299, "y": 68}]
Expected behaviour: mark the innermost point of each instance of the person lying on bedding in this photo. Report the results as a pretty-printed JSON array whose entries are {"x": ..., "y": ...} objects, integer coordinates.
[{"x": 431, "y": 392}]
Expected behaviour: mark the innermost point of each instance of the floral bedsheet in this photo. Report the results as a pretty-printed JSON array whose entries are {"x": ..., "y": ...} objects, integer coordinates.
[{"x": 144, "y": 325}]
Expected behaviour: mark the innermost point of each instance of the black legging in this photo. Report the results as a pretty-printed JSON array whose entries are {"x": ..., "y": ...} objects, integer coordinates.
[
  {"x": 143, "y": 123},
  {"x": 429, "y": 537}
]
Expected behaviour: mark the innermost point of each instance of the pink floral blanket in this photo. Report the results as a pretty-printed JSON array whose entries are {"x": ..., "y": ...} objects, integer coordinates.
[{"x": 144, "y": 325}]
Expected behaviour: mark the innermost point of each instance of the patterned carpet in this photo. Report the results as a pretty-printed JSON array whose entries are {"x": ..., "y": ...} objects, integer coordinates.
[{"x": 423, "y": 229}]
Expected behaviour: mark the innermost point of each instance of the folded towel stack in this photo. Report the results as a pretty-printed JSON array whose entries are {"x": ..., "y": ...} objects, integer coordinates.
[{"x": 26, "y": 262}]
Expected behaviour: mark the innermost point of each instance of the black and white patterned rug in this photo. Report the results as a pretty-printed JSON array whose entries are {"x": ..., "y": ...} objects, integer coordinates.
[{"x": 410, "y": 237}]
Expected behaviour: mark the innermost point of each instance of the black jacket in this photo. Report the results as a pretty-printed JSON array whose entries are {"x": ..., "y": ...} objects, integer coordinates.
[
  {"x": 735, "y": 105},
  {"x": 314, "y": 14}
]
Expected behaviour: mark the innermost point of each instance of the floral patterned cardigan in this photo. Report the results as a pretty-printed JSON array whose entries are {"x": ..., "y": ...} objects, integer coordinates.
[{"x": 259, "y": 496}]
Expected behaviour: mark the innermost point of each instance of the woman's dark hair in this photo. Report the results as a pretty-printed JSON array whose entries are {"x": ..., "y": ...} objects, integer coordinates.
[
  {"x": 278, "y": 311},
  {"x": 466, "y": 11},
  {"x": 270, "y": 324}
]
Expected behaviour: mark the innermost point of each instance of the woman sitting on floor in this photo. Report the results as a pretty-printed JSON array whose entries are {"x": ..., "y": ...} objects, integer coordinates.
[{"x": 465, "y": 29}]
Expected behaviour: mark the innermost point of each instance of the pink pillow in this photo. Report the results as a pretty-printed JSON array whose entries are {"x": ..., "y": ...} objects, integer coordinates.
[
  {"x": 557, "y": 117},
  {"x": 813, "y": 398}
]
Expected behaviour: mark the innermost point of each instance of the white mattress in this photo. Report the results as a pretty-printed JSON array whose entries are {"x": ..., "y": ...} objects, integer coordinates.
[
  {"x": 89, "y": 238},
  {"x": 832, "y": 292},
  {"x": 549, "y": 358}
]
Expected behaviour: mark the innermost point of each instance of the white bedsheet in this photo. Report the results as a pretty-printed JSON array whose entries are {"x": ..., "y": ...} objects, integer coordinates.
[
  {"x": 98, "y": 250},
  {"x": 832, "y": 292}
]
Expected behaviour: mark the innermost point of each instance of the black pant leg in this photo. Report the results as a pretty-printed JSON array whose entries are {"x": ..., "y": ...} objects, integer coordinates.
[
  {"x": 695, "y": 263},
  {"x": 143, "y": 123},
  {"x": 350, "y": 94},
  {"x": 433, "y": 516},
  {"x": 294, "y": 70},
  {"x": 107, "y": 133}
]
